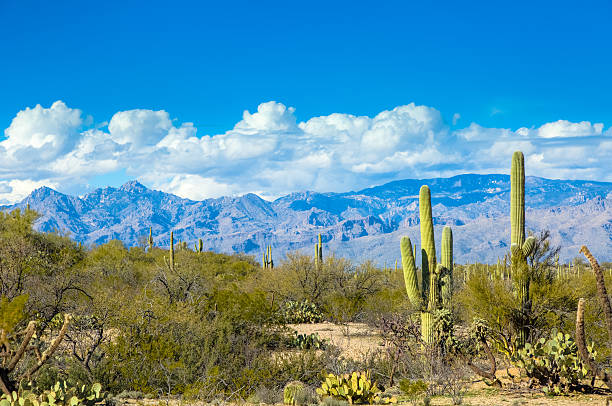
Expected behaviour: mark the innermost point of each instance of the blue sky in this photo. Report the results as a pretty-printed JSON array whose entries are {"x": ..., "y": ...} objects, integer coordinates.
[{"x": 509, "y": 66}]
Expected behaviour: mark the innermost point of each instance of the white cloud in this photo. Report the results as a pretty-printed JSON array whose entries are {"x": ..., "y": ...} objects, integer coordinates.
[
  {"x": 271, "y": 153},
  {"x": 196, "y": 187},
  {"x": 564, "y": 128},
  {"x": 270, "y": 116},
  {"x": 16, "y": 190},
  {"x": 139, "y": 127},
  {"x": 41, "y": 134}
]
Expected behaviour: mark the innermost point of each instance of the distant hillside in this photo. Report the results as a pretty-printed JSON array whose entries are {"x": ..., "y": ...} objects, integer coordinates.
[{"x": 366, "y": 224}]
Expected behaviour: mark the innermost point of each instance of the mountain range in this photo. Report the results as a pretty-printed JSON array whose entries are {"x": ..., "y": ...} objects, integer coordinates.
[{"x": 361, "y": 225}]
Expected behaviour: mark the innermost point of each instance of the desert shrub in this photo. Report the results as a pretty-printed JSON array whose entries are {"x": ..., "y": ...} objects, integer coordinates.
[
  {"x": 414, "y": 390},
  {"x": 268, "y": 396},
  {"x": 306, "y": 396},
  {"x": 303, "y": 366},
  {"x": 330, "y": 401},
  {"x": 219, "y": 344},
  {"x": 339, "y": 289}
]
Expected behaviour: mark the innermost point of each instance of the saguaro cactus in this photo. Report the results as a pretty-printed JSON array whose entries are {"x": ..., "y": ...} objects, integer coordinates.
[
  {"x": 171, "y": 264},
  {"x": 427, "y": 299},
  {"x": 267, "y": 261},
  {"x": 521, "y": 248},
  {"x": 150, "y": 239},
  {"x": 319, "y": 252},
  {"x": 446, "y": 279},
  {"x": 517, "y": 199}
]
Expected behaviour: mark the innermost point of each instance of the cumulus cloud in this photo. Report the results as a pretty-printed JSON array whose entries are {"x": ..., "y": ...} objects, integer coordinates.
[
  {"x": 269, "y": 152},
  {"x": 16, "y": 190},
  {"x": 42, "y": 134},
  {"x": 196, "y": 187},
  {"x": 564, "y": 129}
]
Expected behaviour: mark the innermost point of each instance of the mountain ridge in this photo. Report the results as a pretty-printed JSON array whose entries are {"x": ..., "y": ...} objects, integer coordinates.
[{"x": 363, "y": 224}]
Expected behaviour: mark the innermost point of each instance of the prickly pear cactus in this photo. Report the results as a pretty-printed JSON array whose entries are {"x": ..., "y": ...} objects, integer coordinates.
[{"x": 355, "y": 388}]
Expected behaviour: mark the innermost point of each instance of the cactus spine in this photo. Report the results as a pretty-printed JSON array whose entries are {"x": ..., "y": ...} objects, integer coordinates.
[{"x": 428, "y": 297}]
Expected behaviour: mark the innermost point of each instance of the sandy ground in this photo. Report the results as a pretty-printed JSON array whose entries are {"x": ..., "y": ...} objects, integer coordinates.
[{"x": 354, "y": 339}]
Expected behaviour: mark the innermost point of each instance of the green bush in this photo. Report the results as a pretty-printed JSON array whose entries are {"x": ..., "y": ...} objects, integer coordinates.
[{"x": 414, "y": 390}]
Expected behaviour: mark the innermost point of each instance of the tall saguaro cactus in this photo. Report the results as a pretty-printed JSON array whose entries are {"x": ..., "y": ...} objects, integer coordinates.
[
  {"x": 446, "y": 279},
  {"x": 427, "y": 299},
  {"x": 172, "y": 250},
  {"x": 517, "y": 199},
  {"x": 267, "y": 262},
  {"x": 521, "y": 248},
  {"x": 150, "y": 239},
  {"x": 319, "y": 252}
]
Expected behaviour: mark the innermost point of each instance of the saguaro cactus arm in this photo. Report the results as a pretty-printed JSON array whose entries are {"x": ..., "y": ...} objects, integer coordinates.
[{"x": 410, "y": 276}]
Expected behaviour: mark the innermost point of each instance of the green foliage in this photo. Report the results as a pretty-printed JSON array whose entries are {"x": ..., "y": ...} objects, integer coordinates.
[
  {"x": 294, "y": 312},
  {"x": 554, "y": 363},
  {"x": 60, "y": 394},
  {"x": 414, "y": 390},
  {"x": 330, "y": 401},
  {"x": 307, "y": 341},
  {"x": 356, "y": 388},
  {"x": 291, "y": 391},
  {"x": 12, "y": 313}
]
